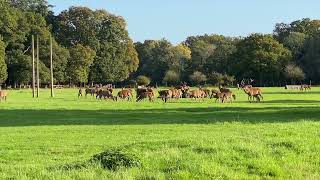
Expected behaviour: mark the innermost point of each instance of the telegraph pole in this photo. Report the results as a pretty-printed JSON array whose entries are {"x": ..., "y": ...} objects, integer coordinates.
[
  {"x": 38, "y": 80},
  {"x": 33, "y": 69},
  {"x": 51, "y": 67}
]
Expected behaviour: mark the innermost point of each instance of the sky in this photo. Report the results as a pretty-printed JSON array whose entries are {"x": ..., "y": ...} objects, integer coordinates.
[{"x": 175, "y": 20}]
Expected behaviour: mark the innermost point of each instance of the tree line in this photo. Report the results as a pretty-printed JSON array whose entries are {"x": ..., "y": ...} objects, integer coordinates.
[{"x": 93, "y": 46}]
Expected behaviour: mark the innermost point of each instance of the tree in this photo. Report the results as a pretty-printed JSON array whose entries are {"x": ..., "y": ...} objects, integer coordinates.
[
  {"x": 260, "y": 57},
  {"x": 210, "y": 53},
  {"x": 81, "y": 58},
  {"x": 17, "y": 26},
  {"x": 106, "y": 34},
  {"x": 306, "y": 26},
  {"x": 143, "y": 80},
  {"x": 154, "y": 58},
  {"x": 3, "y": 65},
  {"x": 221, "y": 79},
  {"x": 294, "y": 73},
  {"x": 158, "y": 57},
  {"x": 37, "y": 6},
  {"x": 171, "y": 77},
  {"x": 198, "y": 77},
  {"x": 60, "y": 59},
  {"x": 310, "y": 62},
  {"x": 295, "y": 42},
  {"x": 201, "y": 51}
]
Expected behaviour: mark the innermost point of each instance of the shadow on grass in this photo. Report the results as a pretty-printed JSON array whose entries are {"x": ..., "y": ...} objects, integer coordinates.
[
  {"x": 11, "y": 118},
  {"x": 284, "y": 101},
  {"x": 294, "y": 92}
]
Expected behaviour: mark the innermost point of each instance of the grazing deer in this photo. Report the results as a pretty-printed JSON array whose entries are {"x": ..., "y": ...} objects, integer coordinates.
[
  {"x": 228, "y": 97},
  {"x": 125, "y": 94},
  {"x": 253, "y": 93},
  {"x": 3, "y": 95}
]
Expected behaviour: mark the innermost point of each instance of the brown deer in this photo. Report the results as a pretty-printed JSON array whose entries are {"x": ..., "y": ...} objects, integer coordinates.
[
  {"x": 3, "y": 95},
  {"x": 125, "y": 94},
  {"x": 253, "y": 93}
]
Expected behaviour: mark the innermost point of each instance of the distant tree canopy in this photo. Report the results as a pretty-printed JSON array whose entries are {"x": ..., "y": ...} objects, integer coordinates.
[
  {"x": 260, "y": 56},
  {"x": 94, "y": 46},
  {"x": 294, "y": 73},
  {"x": 158, "y": 57},
  {"x": 104, "y": 33},
  {"x": 81, "y": 58},
  {"x": 3, "y": 65}
]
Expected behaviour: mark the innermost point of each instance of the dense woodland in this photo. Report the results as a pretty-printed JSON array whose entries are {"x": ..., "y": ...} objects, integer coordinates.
[{"x": 93, "y": 46}]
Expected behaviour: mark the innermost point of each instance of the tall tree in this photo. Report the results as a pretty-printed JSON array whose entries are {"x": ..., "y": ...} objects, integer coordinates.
[
  {"x": 104, "y": 33},
  {"x": 3, "y": 65},
  {"x": 60, "y": 59},
  {"x": 159, "y": 56},
  {"x": 81, "y": 58},
  {"x": 311, "y": 60},
  {"x": 260, "y": 57},
  {"x": 37, "y": 6},
  {"x": 306, "y": 26},
  {"x": 295, "y": 42},
  {"x": 210, "y": 53}
]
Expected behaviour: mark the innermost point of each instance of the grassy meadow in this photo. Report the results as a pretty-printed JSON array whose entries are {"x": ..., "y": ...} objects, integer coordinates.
[{"x": 54, "y": 138}]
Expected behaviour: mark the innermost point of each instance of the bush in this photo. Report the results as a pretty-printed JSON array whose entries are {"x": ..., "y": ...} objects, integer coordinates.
[
  {"x": 114, "y": 159},
  {"x": 221, "y": 79},
  {"x": 132, "y": 83},
  {"x": 143, "y": 80},
  {"x": 198, "y": 77},
  {"x": 294, "y": 73},
  {"x": 171, "y": 77}
]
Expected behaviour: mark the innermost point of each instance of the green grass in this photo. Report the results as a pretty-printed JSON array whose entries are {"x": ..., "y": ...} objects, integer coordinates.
[{"x": 184, "y": 139}]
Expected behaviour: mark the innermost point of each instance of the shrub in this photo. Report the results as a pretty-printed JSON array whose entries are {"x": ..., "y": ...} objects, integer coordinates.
[
  {"x": 114, "y": 159},
  {"x": 221, "y": 79},
  {"x": 171, "y": 77},
  {"x": 198, "y": 77},
  {"x": 132, "y": 83},
  {"x": 294, "y": 73},
  {"x": 143, "y": 80}
]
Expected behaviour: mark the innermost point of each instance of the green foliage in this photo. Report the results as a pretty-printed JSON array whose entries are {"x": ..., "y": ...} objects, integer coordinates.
[
  {"x": 198, "y": 77},
  {"x": 104, "y": 33},
  {"x": 19, "y": 67},
  {"x": 185, "y": 139},
  {"x": 117, "y": 58},
  {"x": 158, "y": 57},
  {"x": 306, "y": 26},
  {"x": 294, "y": 72},
  {"x": 143, "y": 80},
  {"x": 37, "y": 6},
  {"x": 171, "y": 77},
  {"x": 154, "y": 57},
  {"x": 261, "y": 57},
  {"x": 310, "y": 61},
  {"x": 210, "y": 53},
  {"x": 132, "y": 83},
  {"x": 295, "y": 42},
  {"x": 81, "y": 58},
  {"x": 3, "y": 65},
  {"x": 115, "y": 159},
  {"x": 221, "y": 79}
]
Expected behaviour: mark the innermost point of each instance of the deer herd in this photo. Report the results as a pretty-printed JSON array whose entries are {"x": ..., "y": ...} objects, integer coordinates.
[{"x": 222, "y": 94}]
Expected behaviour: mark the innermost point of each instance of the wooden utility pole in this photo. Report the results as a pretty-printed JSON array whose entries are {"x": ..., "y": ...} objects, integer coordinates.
[
  {"x": 51, "y": 67},
  {"x": 38, "y": 80},
  {"x": 33, "y": 70}
]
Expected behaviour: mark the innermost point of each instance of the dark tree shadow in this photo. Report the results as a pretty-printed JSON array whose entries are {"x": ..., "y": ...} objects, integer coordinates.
[
  {"x": 9, "y": 118},
  {"x": 293, "y": 92},
  {"x": 286, "y": 101}
]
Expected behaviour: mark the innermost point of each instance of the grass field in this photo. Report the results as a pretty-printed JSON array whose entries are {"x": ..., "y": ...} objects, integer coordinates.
[{"x": 55, "y": 138}]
